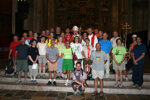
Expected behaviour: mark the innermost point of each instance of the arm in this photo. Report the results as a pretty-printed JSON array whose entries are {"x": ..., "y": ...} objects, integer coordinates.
[
  {"x": 57, "y": 58},
  {"x": 141, "y": 57},
  {"x": 48, "y": 58},
  {"x": 114, "y": 59},
  {"x": 16, "y": 56},
  {"x": 9, "y": 56},
  {"x": 134, "y": 61},
  {"x": 30, "y": 58}
]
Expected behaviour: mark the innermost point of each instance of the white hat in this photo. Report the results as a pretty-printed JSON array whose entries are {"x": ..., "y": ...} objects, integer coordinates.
[
  {"x": 134, "y": 36},
  {"x": 75, "y": 28}
]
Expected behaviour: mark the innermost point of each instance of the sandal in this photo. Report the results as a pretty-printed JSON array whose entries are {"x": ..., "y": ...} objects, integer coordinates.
[
  {"x": 101, "y": 94},
  {"x": 94, "y": 93}
]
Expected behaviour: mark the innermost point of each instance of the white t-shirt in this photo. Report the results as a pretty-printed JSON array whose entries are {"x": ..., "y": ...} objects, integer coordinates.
[
  {"x": 85, "y": 49},
  {"x": 113, "y": 41},
  {"x": 83, "y": 43},
  {"x": 42, "y": 48},
  {"x": 78, "y": 49}
]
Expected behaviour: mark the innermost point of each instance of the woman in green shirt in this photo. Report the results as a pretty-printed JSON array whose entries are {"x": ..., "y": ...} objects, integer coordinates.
[
  {"x": 67, "y": 66},
  {"x": 119, "y": 54}
]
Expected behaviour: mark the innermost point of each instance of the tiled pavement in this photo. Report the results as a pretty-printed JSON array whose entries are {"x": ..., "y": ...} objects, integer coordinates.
[{"x": 31, "y": 95}]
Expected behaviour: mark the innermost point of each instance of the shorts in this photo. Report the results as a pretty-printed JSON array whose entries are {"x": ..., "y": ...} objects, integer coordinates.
[
  {"x": 85, "y": 62},
  {"x": 116, "y": 67},
  {"x": 97, "y": 74},
  {"x": 42, "y": 59},
  {"x": 67, "y": 65},
  {"x": 80, "y": 87},
  {"x": 52, "y": 67},
  {"x": 22, "y": 65}
]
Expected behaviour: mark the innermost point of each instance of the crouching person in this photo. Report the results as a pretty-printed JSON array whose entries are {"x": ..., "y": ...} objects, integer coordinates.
[{"x": 79, "y": 78}]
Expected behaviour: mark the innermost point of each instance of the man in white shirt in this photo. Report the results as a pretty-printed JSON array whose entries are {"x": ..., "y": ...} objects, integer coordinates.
[
  {"x": 92, "y": 37},
  {"x": 113, "y": 39}
]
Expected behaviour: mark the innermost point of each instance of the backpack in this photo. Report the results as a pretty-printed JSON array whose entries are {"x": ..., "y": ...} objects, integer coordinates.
[{"x": 9, "y": 68}]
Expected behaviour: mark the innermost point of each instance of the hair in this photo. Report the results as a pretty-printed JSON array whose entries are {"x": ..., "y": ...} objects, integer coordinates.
[
  {"x": 78, "y": 39},
  {"x": 59, "y": 37},
  {"x": 78, "y": 63},
  {"x": 118, "y": 40},
  {"x": 87, "y": 39}
]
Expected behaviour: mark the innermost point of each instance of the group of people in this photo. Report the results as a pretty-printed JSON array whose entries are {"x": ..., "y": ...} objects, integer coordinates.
[{"x": 76, "y": 55}]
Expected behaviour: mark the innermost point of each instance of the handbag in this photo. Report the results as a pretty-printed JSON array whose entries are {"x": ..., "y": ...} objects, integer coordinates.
[{"x": 9, "y": 68}]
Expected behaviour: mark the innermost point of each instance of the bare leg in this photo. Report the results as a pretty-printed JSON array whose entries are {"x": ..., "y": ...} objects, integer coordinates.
[
  {"x": 101, "y": 85},
  {"x": 117, "y": 72},
  {"x": 25, "y": 75},
  {"x": 68, "y": 75},
  {"x": 54, "y": 74},
  {"x": 19, "y": 75},
  {"x": 88, "y": 68},
  {"x": 121, "y": 76},
  {"x": 95, "y": 83},
  {"x": 43, "y": 68},
  {"x": 50, "y": 75},
  {"x": 85, "y": 68},
  {"x": 40, "y": 65}
]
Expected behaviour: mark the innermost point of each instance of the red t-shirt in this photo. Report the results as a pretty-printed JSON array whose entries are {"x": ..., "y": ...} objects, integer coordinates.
[
  {"x": 68, "y": 37},
  {"x": 13, "y": 46}
]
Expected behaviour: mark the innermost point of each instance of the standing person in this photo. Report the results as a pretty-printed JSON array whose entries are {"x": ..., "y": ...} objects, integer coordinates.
[
  {"x": 75, "y": 30},
  {"x": 52, "y": 56},
  {"x": 60, "y": 46},
  {"x": 78, "y": 48},
  {"x": 87, "y": 50},
  {"x": 139, "y": 52},
  {"x": 12, "y": 51},
  {"x": 42, "y": 56},
  {"x": 67, "y": 66},
  {"x": 30, "y": 35},
  {"x": 106, "y": 46},
  {"x": 114, "y": 38},
  {"x": 21, "y": 59},
  {"x": 99, "y": 58},
  {"x": 119, "y": 54},
  {"x": 92, "y": 37},
  {"x": 35, "y": 37},
  {"x": 33, "y": 55},
  {"x": 78, "y": 79},
  {"x": 96, "y": 32},
  {"x": 25, "y": 35},
  {"x": 67, "y": 35},
  {"x": 85, "y": 36},
  {"x": 100, "y": 36},
  {"x": 58, "y": 32}
]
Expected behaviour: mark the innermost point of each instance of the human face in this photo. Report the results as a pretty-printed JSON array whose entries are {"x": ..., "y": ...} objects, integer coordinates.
[
  {"x": 100, "y": 34},
  {"x": 43, "y": 33},
  {"x": 60, "y": 39},
  {"x": 98, "y": 47},
  {"x": 34, "y": 43},
  {"x": 67, "y": 30},
  {"x": 42, "y": 39},
  {"x": 78, "y": 67},
  {"x": 67, "y": 44},
  {"x": 30, "y": 33},
  {"x": 85, "y": 35},
  {"x": 22, "y": 40},
  {"x": 52, "y": 42},
  {"x": 15, "y": 38},
  {"x": 87, "y": 41},
  {"x": 96, "y": 31},
  {"x": 58, "y": 29},
  {"x": 105, "y": 36},
  {"x": 76, "y": 40},
  {"x": 25, "y": 35},
  {"x": 89, "y": 31},
  {"x": 139, "y": 40},
  {"x": 115, "y": 34},
  {"x": 35, "y": 35},
  {"x": 63, "y": 34},
  {"x": 119, "y": 43}
]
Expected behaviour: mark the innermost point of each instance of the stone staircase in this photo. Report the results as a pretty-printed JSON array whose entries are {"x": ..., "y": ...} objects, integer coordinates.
[{"x": 9, "y": 83}]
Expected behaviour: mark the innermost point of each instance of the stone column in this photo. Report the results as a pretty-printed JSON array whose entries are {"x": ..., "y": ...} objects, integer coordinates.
[
  {"x": 14, "y": 10},
  {"x": 51, "y": 13},
  {"x": 115, "y": 14}
]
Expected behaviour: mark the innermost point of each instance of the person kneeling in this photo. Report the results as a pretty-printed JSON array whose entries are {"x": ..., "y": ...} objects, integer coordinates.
[{"x": 79, "y": 78}]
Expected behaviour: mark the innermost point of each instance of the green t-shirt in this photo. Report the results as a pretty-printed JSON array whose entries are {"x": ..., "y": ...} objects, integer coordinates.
[
  {"x": 67, "y": 53},
  {"x": 119, "y": 52}
]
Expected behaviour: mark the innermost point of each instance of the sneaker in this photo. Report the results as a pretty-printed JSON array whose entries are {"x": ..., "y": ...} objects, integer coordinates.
[
  {"x": 44, "y": 76},
  {"x": 35, "y": 81},
  {"x": 18, "y": 81},
  {"x": 139, "y": 87},
  {"x": 49, "y": 83},
  {"x": 94, "y": 93},
  {"x": 61, "y": 77},
  {"x": 54, "y": 83},
  {"x": 15, "y": 74},
  {"x": 101, "y": 94},
  {"x": 25, "y": 81},
  {"x": 126, "y": 78},
  {"x": 116, "y": 85},
  {"x": 120, "y": 85},
  {"x": 66, "y": 83},
  {"x": 134, "y": 85},
  {"x": 76, "y": 93}
]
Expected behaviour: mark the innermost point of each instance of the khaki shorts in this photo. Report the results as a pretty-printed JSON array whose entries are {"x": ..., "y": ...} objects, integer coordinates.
[
  {"x": 52, "y": 67},
  {"x": 97, "y": 74}
]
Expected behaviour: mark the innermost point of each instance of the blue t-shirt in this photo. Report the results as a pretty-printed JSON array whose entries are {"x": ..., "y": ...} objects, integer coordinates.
[
  {"x": 138, "y": 50},
  {"x": 106, "y": 45}
]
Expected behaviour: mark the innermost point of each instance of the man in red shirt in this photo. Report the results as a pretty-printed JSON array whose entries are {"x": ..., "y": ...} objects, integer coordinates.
[{"x": 12, "y": 47}]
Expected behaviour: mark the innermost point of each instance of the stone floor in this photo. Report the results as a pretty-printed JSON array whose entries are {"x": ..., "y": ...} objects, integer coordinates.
[{"x": 32, "y": 95}]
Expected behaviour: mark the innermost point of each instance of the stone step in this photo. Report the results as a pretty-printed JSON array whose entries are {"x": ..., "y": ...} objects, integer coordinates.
[
  {"x": 62, "y": 88},
  {"x": 146, "y": 76},
  {"x": 62, "y": 81}
]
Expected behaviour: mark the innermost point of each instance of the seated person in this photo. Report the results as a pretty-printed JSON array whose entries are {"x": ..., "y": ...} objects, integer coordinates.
[{"x": 79, "y": 78}]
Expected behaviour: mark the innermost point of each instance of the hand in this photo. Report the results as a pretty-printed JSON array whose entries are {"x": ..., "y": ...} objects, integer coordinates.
[
  {"x": 9, "y": 57},
  {"x": 135, "y": 62},
  {"x": 87, "y": 59},
  {"x": 83, "y": 87},
  {"x": 34, "y": 62}
]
